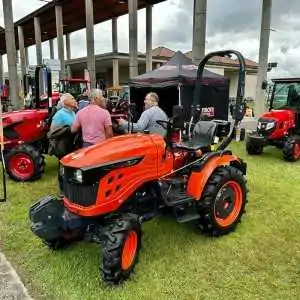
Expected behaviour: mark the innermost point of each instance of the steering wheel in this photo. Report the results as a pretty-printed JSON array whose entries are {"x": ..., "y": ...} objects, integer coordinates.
[{"x": 164, "y": 124}]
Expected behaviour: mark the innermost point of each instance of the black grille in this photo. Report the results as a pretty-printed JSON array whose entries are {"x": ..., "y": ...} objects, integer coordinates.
[{"x": 83, "y": 195}]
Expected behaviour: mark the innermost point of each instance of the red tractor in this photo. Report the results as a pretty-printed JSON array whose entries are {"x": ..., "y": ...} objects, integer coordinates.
[
  {"x": 280, "y": 126},
  {"x": 25, "y": 132},
  {"x": 111, "y": 188}
]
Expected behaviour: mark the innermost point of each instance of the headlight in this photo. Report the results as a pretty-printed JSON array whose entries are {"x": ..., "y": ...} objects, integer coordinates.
[
  {"x": 78, "y": 175},
  {"x": 270, "y": 125},
  {"x": 259, "y": 125}
]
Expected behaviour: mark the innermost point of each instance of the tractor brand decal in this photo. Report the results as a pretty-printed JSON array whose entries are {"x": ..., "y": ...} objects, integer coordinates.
[{"x": 208, "y": 111}]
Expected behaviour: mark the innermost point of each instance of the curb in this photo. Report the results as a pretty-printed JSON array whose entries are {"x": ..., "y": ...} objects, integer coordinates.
[{"x": 11, "y": 286}]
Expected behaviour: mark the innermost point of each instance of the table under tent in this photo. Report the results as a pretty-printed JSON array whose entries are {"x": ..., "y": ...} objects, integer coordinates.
[{"x": 174, "y": 83}]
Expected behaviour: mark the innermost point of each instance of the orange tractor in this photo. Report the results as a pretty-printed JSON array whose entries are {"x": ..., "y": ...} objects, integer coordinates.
[{"x": 111, "y": 188}]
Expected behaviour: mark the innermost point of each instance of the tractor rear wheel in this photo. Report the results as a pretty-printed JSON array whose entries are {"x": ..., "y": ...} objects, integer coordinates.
[
  {"x": 24, "y": 163},
  {"x": 223, "y": 201},
  {"x": 121, "y": 249},
  {"x": 291, "y": 150}
]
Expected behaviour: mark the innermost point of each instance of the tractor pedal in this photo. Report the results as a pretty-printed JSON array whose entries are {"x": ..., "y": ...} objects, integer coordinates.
[
  {"x": 179, "y": 198},
  {"x": 187, "y": 218}
]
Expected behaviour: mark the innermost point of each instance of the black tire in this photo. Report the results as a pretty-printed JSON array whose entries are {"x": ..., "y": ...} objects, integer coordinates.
[
  {"x": 242, "y": 134},
  {"x": 36, "y": 163},
  {"x": 117, "y": 234},
  {"x": 56, "y": 244},
  {"x": 253, "y": 149},
  {"x": 211, "y": 200},
  {"x": 289, "y": 150}
]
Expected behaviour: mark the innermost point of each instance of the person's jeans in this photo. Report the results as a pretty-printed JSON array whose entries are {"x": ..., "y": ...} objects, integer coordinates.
[{"x": 86, "y": 144}]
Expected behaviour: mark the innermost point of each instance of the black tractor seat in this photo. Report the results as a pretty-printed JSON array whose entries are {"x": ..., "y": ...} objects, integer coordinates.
[{"x": 203, "y": 137}]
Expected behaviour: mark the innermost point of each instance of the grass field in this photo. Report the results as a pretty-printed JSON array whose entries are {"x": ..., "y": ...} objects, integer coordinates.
[{"x": 260, "y": 260}]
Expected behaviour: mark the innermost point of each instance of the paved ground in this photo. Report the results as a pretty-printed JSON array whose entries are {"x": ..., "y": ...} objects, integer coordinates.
[{"x": 11, "y": 287}]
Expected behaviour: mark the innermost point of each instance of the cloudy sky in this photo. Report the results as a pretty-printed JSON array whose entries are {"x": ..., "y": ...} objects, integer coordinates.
[{"x": 230, "y": 24}]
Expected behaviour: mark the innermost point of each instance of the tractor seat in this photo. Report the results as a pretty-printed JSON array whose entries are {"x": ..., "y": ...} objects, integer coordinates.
[{"x": 203, "y": 137}]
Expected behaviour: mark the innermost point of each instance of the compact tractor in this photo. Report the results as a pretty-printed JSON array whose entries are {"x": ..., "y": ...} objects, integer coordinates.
[
  {"x": 280, "y": 127},
  {"x": 25, "y": 134},
  {"x": 111, "y": 188}
]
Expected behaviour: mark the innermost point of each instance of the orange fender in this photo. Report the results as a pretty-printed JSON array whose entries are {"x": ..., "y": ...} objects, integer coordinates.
[{"x": 198, "y": 179}]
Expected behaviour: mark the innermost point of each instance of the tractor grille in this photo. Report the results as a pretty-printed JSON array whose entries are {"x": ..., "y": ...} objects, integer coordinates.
[{"x": 83, "y": 195}]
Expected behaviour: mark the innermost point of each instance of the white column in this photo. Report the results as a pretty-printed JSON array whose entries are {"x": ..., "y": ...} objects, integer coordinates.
[
  {"x": 263, "y": 56},
  {"x": 115, "y": 62},
  {"x": 38, "y": 40},
  {"x": 60, "y": 40},
  {"x": 68, "y": 46},
  {"x": 133, "y": 38},
  {"x": 148, "y": 38},
  {"x": 51, "y": 49}
]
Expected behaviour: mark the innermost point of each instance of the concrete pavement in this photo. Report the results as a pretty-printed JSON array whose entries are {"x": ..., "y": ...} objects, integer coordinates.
[{"x": 11, "y": 286}]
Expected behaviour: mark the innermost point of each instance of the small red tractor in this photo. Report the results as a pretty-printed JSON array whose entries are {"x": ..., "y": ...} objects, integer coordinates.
[
  {"x": 280, "y": 127},
  {"x": 25, "y": 131},
  {"x": 111, "y": 188}
]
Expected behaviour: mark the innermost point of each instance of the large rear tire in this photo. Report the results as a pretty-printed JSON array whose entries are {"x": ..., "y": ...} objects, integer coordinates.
[
  {"x": 291, "y": 150},
  {"x": 24, "y": 163},
  {"x": 121, "y": 249},
  {"x": 223, "y": 202}
]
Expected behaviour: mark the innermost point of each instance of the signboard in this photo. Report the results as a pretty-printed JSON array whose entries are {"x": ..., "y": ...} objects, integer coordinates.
[{"x": 53, "y": 64}]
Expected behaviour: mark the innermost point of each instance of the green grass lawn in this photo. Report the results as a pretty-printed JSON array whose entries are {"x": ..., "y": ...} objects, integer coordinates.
[{"x": 260, "y": 260}]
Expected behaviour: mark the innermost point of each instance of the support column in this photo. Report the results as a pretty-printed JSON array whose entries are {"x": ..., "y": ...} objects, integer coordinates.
[
  {"x": 115, "y": 61},
  {"x": 68, "y": 46},
  {"x": 38, "y": 40},
  {"x": 26, "y": 58},
  {"x": 60, "y": 40},
  {"x": 149, "y": 38},
  {"x": 133, "y": 39},
  {"x": 91, "y": 65},
  {"x": 22, "y": 50},
  {"x": 263, "y": 56},
  {"x": 1, "y": 70},
  {"x": 51, "y": 49},
  {"x": 199, "y": 30},
  {"x": 11, "y": 53}
]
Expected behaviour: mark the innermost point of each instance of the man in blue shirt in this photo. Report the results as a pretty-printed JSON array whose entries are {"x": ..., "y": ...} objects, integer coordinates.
[{"x": 65, "y": 115}]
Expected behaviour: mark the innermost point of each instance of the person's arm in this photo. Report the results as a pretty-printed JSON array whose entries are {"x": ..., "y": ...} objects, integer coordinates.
[
  {"x": 108, "y": 125},
  {"x": 141, "y": 124},
  {"x": 76, "y": 125}
]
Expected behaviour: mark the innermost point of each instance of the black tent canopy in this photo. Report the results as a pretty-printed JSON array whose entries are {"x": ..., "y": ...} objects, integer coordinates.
[
  {"x": 175, "y": 81},
  {"x": 179, "y": 69}
]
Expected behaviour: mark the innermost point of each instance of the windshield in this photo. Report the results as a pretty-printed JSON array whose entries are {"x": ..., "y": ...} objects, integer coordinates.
[
  {"x": 74, "y": 88},
  {"x": 286, "y": 94}
]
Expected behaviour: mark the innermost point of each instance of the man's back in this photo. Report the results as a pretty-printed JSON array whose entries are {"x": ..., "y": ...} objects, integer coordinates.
[{"x": 93, "y": 120}]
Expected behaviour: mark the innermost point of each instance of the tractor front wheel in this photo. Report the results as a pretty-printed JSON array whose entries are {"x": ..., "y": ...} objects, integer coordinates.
[
  {"x": 121, "y": 249},
  {"x": 223, "y": 201},
  {"x": 24, "y": 163},
  {"x": 253, "y": 148}
]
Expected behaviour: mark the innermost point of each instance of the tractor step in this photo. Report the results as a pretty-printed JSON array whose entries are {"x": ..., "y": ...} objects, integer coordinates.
[
  {"x": 177, "y": 198},
  {"x": 188, "y": 218}
]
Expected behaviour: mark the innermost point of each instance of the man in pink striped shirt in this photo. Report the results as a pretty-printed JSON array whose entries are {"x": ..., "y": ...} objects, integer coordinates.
[{"x": 94, "y": 121}]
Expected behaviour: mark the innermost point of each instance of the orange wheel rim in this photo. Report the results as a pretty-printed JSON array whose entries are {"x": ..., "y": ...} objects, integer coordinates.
[
  {"x": 228, "y": 204},
  {"x": 129, "y": 250}
]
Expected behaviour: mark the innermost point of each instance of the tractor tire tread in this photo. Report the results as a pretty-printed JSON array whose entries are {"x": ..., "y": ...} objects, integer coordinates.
[
  {"x": 207, "y": 222},
  {"x": 36, "y": 156},
  {"x": 116, "y": 233}
]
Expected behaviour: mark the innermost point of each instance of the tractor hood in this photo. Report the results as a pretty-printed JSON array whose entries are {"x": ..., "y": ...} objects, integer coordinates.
[
  {"x": 111, "y": 150},
  {"x": 278, "y": 115},
  {"x": 22, "y": 115}
]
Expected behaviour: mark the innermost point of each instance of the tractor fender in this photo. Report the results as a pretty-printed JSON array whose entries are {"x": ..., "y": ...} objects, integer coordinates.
[{"x": 202, "y": 172}]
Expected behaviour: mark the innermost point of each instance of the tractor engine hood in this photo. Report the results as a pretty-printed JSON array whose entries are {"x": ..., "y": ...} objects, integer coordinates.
[
  {"x": 19, "y": 116},
  {"x": 278, "y": 115},
  {"x": 112, "y": 150}
]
